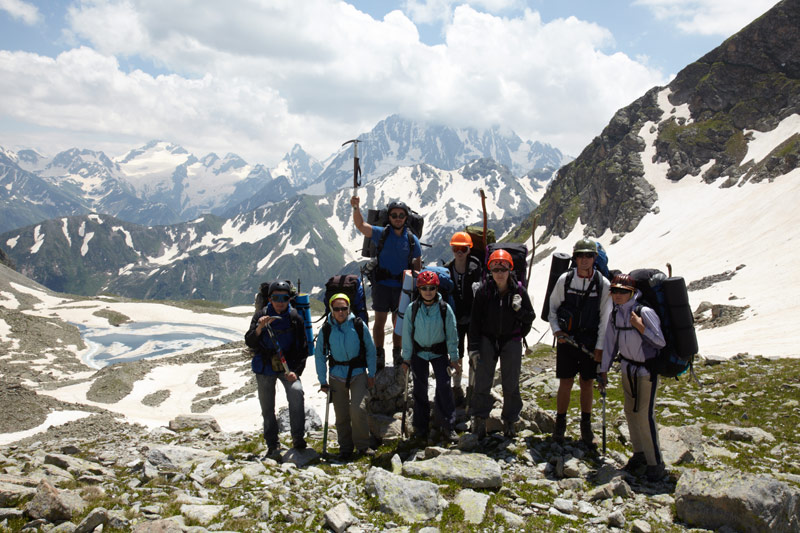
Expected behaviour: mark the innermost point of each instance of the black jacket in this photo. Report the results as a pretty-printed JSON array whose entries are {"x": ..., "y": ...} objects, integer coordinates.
[
  {"x": 462, "y": 293},
  {"x": 493, "y": 317}
]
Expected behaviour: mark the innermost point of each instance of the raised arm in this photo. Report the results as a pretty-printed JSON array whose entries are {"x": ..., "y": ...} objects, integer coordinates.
[{"x": 358, "y": 220}]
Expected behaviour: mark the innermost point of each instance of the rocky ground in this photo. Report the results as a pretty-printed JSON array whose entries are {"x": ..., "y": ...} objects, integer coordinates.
[{"x": 731, "y": 442}]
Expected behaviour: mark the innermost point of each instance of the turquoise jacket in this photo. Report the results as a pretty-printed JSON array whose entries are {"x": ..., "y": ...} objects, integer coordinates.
[
  {"x": 428, "y": 330},
  {"x": 344, "y": 346}
]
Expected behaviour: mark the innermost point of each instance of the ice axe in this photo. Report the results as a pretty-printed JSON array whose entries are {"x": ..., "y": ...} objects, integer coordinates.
[
  {"x": 325, "y": 429},
  {"x": 278, "y": 347},
  {"x": 356, "y": 165}
]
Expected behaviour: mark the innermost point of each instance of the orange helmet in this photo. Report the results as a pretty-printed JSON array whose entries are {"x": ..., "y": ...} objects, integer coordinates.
[
  {"x": 427, "y": 277},
  {"x": 461, "y": 238},
  {"x": 500, "y": 255}
]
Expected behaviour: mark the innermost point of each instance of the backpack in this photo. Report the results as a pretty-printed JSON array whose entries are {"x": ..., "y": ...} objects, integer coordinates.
[
  {"x": 668, "y": 297},
  {"x": 380, "y": 217},
  {"x": 600, "y": 262},
  {"x": 446, "y": 285},
  {"x": 519, "y": 254},
  {"x": 262, "y": 296},
  {"x": 438, "y": 348},
  {"x": 348, "y": 284},
  {"x": 478, "y": 249},
  {"x": 357, "y": 362}
]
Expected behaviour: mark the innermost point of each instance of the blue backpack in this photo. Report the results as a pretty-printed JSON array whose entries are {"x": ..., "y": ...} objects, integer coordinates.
[{"x": 446, "y": 285}]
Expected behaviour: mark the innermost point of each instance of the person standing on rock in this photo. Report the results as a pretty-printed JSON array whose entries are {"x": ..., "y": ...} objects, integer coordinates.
[
  {"x": 278, "y": 329},
  {"x": 579, "y": 309},
  {"x": 398, "y": 250},
  {"x": 345, "y": 351},
  {"x": 634, "y": 334},
  {"x": 502, "y": 314},
  {"x": 464, "y": 271},
  {"x": 429, "y": 335}
]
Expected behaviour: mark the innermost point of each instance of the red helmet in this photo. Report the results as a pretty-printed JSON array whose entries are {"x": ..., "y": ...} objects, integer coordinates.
[
  {"x": 461, "y": 238},
  {"x": 500, "y": 255},
  {"x": 427, "y": 277}
]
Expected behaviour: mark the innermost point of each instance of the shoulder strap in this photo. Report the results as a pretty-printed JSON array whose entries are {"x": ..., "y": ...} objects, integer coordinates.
[
  {"x": 382, "y": 241},
  {"x": 359, "y": 327},
  {"x": 326, "y": 338},
  {"x": 443, "y": 310},
  {"x": 410, "y": 236}
]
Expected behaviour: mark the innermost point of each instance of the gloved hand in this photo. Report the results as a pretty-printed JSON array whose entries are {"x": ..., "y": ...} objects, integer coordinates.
[
  {"x": 475, "y": 286},
  {"x": 516, "y": 302}
]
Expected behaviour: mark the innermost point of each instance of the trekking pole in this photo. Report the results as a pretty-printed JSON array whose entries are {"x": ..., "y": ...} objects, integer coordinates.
[
  {"x": 356, "y": 165},
  {"x": 325, "y": 428},
  {"x": 403, "y": 432},
  {"x": 277, "y": 347},
  {"x": 533, "y": 250},
  {"x": 571, "y": 341},
  {"x": 603, "y": 396},
  {"x": 485, "y": 238}
]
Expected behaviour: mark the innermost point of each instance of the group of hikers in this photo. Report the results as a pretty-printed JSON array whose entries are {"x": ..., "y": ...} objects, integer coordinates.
[{"x": 593, "y": 320}]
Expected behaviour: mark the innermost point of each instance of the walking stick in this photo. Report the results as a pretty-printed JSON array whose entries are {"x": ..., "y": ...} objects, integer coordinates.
[
  {"x": 356, "y": 165},
  {"x": 603, "y": 396},
  {"x": 533, "y": 250},
  {"x": 403, "y": 432},
  {"x": 325, "y": 428}
]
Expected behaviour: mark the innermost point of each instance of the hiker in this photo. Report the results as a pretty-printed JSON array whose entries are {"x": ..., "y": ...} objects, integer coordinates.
[
  {"x": 502, "y": 315},
  {"x": 430, "y": 336},
  {"x": 579, "y": 309},
  {"x": 350, "y": 354},
  {"x": 634, "y": 332},
  {"x": 288, "y": 331},
  {"x": 395, "y": 255},
  {"x": 464, "y": 271}
]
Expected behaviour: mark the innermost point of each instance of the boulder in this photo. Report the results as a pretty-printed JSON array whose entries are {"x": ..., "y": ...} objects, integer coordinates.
[
  {"x": 472, "y": 470},
  {"x": 410, "y": 499},
  {"x": 192, "y": 421}
]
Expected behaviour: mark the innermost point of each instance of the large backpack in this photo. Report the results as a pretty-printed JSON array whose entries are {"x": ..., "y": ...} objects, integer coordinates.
[
  {"x": 380, "y": 217},
  {"x": 478, "y": 249},
  {"x": 668, "y": 297},
  {"x": 357, "y": 362},
  {"x": 348, "y": 284},
  {"x": 446, "y": 285},
  {"x": 519, "y": 254},
  {"x": 262, "y": 296}
]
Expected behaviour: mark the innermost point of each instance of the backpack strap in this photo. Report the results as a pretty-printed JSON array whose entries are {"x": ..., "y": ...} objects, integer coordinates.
[
  {"x": 384, "y": 273},
  {"x": 439, "y": 348},
  {"x": 359, "y": 361}
]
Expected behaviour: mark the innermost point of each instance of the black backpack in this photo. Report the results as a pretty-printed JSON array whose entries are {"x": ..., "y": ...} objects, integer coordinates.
[
  {"x": 348, "y": 284},
  {"x": 668, "y": 297},
  {"x": 356, "y": 362},
  {"x": 262, "y": 296},
  {"x": 380, "y": 217},
  {"x": 519, "y": 254}
]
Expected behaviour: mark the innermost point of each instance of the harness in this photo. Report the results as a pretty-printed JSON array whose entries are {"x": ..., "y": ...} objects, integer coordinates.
[
  {"x": 359, "y": 361},
  {"x": 587, "y": 318},
  {"x": 383, "y": 273},
  {"x": 440, "y": 348}
]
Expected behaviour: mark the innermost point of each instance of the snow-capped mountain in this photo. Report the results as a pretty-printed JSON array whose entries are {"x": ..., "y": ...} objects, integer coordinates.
[
  {"x": 298, "y": 167},
  {"x": 397, "y": 141}
]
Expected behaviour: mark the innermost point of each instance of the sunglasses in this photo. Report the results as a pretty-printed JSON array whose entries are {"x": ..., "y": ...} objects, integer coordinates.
[
  {"x": 460, "y": 249},
  {"x": 340, "y": 309},
  {"x": 397, "y": 215},
  {"x": 279, "y": 297},
  {"x": 498, "y": 270},
  {"x": 584, "y": 255},
  {"x": 617, "y": 290},
  {"x": 427, "y": 288}
]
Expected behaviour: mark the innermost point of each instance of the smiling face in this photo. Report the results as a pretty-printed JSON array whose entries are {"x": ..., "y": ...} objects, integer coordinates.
[
  {"x": 397, "y": 218},
  {"x": 340, "y": 310}
]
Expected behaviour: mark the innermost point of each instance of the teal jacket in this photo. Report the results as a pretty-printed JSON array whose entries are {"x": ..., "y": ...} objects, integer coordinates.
[
  {"x": 344, "y": 346},
  {"x": 428, "y": 330}
]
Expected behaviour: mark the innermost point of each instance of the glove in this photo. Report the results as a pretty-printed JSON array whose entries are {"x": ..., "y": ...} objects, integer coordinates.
[
  {"x": 516, "y": 302},
  {"x": 475, "y": 286}
]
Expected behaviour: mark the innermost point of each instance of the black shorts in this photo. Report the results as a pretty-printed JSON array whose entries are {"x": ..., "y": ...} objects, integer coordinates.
[
  {"x": 385, "y": 299},
  {"x": 571, "y": 360}
]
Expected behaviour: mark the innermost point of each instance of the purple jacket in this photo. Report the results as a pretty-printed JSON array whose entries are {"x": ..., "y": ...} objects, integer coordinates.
[{"x": 630, "y": 343}]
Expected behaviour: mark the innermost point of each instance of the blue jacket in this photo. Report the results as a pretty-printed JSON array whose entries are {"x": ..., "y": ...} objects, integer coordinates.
[
  {"x": 428, "y": 330},
  {"x": 629, "y": 342},
  {"x": 290, "y": 333},
  {"x": 344, "y": 346}
]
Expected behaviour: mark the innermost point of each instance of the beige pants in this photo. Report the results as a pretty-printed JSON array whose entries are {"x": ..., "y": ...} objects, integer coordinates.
[
  {"x": 642, "y": 423},
  {"x": 349, "y": 405}
]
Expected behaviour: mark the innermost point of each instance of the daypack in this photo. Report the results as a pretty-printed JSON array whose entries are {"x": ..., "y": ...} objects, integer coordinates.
[
  {"x": 668, "y": 297},
  {"x": 519, "y": 254},
  {"x": 348, "y": 284},
  {"x": 438, "y": 348},
  {"x": 262, "y": 296},
  {"x": 446, "y": 285},
  {"x": 357, "y": 362},
  {"x": 478, "y": 249}
]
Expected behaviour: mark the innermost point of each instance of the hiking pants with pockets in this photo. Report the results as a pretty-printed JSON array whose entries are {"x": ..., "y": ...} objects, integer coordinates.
[
  {"x": 294, "y": 396},
  {"x": 642, "y": 423},
  {"x": 350, "y": 407},
  {"x": 510, "y": 356}
]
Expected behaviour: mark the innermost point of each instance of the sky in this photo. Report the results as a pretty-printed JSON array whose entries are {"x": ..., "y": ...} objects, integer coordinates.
[{"x": 257, "y": 77}]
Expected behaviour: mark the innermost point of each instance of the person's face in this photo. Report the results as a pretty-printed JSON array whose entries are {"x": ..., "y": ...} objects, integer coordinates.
[
  {"x": 428, "y": 292},
  {"x": 340, "y": 310},
  {"x": 619, "y": 295},
  {"x": 397, "y": 218},
  {"x": 460, "y": 251},
  {"x": 500, "y": 270},
  {"x": 584, "y": 260},
  {"x": 280, "y": 301}
]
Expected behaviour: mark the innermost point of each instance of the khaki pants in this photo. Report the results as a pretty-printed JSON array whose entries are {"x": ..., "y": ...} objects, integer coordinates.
[
  {"x": 642, "y": 423},
  {"x": 349, "y": 405}
]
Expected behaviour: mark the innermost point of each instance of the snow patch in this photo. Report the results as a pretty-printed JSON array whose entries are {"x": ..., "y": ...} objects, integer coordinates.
[
  {"x": 85, "y": 245},
  {"x": 38, "y": 239},
  {"x": 764, "y": 142}
]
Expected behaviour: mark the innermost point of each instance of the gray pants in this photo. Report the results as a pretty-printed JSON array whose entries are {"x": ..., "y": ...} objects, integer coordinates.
[
  {"x": 297, "y": 412},
  {"x": 350, "y": 407},
  {"x": 642, "y": 423},
  {"x": 510, "y": 356}
]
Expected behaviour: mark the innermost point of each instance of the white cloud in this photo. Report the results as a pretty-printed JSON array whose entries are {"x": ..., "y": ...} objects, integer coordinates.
[
  {"x": 255, "y": 79},
  {"x": 708, "y": 17},
  {"x": 441, "y": 11},
  {"x": 27, "y": 13}
]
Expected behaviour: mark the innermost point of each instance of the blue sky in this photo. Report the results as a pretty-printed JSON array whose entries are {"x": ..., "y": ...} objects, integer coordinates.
[{"x": 254, "y": 78}]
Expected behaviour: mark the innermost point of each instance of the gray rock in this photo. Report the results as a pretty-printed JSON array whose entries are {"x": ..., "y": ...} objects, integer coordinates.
[
  {"x": 470, "y": 470},
  {"x": 12, "y": 494},
  {"x": 203, "y": 514},
  {"x": 75, "y": 465},
  {"x": 169, "y": 525},
  {"x": 312, "y": 420},
  {"x": 300, "y": 458},
  {"x": 681, "y": 444},
  {"x": 473, "y": 504},
  {"x": 740, "y": 434},
  {"x": 384, "y": 426},
  {"x": 512, "y": 520},
  {"x": 410, "y": 499},
  {"x": 53, "y": 505},
  {"x": 616, "y": 519},
  {"x": 339, "y": 518},
  {"x": 192, "y": 421},
  {"x": 640, "y": 526},
  {"x": 744, "y": 502},
  {"x": 174, "y": 457},
  {"x": 96, "y": 517}
]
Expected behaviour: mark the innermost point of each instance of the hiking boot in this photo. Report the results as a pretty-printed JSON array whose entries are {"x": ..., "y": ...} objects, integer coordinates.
[
  {"x": 636, "y": 461},
  {"x": 367, "y": 452},
  {"x": 587, "y": 435},
  {"x": 420, "y": 435},
  {"x": 560, "y": 430},
  {"x": 300, "y": 444},
  {"x": 509, "y": 431},
  {"x": 273, "y": 451},
  {"x": 345, "y": 456},
  {"x": 479, "y": 427},
  {"x": 397, "y": 356},
  {"x": 450, "y": 435},
  {"x": 458, "y": 396},
  {"x": 655, "y": 472}
]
